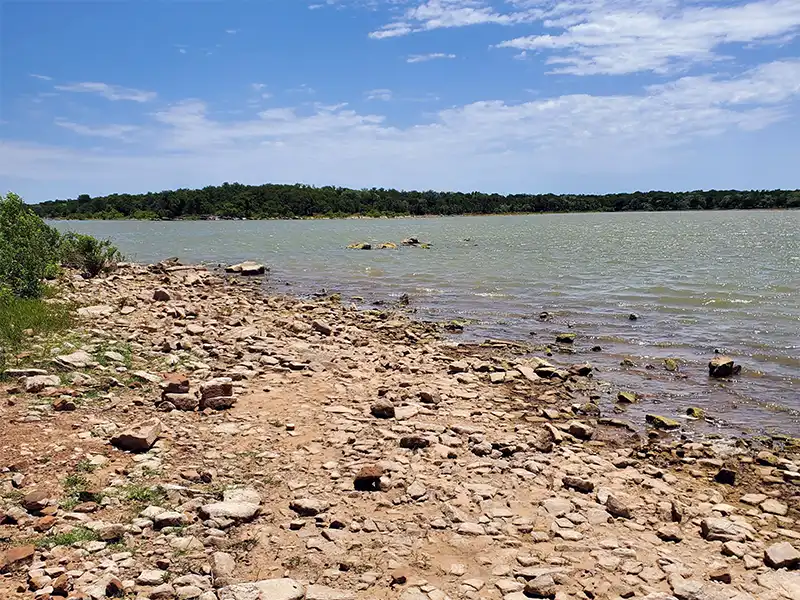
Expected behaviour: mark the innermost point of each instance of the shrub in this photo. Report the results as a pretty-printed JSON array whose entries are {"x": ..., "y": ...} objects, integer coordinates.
[
  {"x": 87, "y": 253},
  {"x": 28, "y": 248}
]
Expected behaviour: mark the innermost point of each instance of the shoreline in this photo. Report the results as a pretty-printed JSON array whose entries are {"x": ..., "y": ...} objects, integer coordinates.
[{"x": 482, "y": 471}]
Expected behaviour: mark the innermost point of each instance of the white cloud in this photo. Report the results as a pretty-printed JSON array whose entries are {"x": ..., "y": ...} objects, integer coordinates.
[
  {"x": 42, "y": 77},
  {"x": 486, "y": 141},
  {"x": 378, "y": 94},
  {"x": 107, "y": 131},
  {"x": 627, "y": 36},
  {"x": 417, "y": 58},
  {"x": 446, "y": 14},
  {"x": 232, "y": 31},
  {"x": 111, "y": 92}
]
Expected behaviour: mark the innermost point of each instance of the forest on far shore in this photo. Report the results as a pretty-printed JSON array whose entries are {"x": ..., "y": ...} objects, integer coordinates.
[{"x": 277, "y": 201}]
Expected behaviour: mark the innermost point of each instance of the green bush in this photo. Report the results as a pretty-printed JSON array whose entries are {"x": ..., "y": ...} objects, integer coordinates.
[
  {"x": 87, "y": 253},
  {"x": 28, "y": 248}
]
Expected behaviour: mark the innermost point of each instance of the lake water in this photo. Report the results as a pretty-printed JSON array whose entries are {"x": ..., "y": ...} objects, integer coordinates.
[{"x": 698, "y": 281}]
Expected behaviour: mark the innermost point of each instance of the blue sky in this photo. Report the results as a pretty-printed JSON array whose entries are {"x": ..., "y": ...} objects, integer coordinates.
[{"x": 495, "y": 95}]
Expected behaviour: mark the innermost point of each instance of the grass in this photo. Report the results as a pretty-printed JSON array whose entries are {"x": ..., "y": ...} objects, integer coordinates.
[
  {"x": 23, "y": 319},
  {"x": 145, "y": 494},
  {"x": 85, "y": 466},
  {"x": 79, "y": 534}
]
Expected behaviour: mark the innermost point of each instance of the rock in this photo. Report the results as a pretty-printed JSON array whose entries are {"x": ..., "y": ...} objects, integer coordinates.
[
  {"x": 416, "y": 490},
  {"x": 671, "y": 364},
  {"x": 368, "y": 479},
  {"x": 308, "y": 507},
  {"x": 784, "y": 583},
  {"x": 235, "y": 511},
  {"x": 626, "y": 397},
  {"x": 382, "y": 409},
  {"x": 723, "y": 366},
  {"x": 151, "y": 577},
  {"x": 360, "y": 246},
  {"x": 686, "y": 589},
  {"x": 543, "y": 440},
  {"x": 411, "y": 241},
  {"x": 39, "y": 382},
  {"x": 542, "y": 586},
  {"x": 222, "y": 567},
  {"x": 35, "y": 501},
  {"x": 217, "y": 402},
  {"x": 725, "y": 476},
  {"x": 322, "y": 327},
  {"x": 388, "y": 246},
  {"x": 14, "y": 557},
  {"x": 557, "y": 507},
  {"x": 774, "y": 507},
  {"x": 695, "y": 412},
  {"x": 670, "y": 532},
  {"x": 268, "y": 589},
  {"x": 216, "y": 388},
  {"x": 64, "y": 404},
  {"x": 169, "y": 518},
  {"x": 471, "y": 529},
  {"x": 79, "y": 359},
  {"x": 429, "y": 397},
  {"x": 576, "y": 483},
  {"x": 414, "y": 442},
  {"x": 185, "y": 402},
  {"x": 617, "y": 507},
  {"x": 175, "y": 383},
  {"x": 582, "y": 431},
  {"x": 566, "y": 338},
  {"x": 782, "y": 556},
  {"x": 721, "y": 529},
  {"x": 322, "y": 592},
  {"x": 722, "y": 575},
  {"x": 248, "y": 268},
  {"x": 753, "y": 499},
  {"x": 139, "y": 438},
  {"x": 659, "y": 422},
  {"x": 161, "y": 295}
]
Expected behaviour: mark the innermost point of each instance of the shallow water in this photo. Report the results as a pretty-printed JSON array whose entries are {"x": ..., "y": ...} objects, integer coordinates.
[{"x": 698, "y": 281}]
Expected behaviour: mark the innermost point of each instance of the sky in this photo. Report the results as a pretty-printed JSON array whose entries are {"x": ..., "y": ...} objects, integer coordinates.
[{"x": 508, "y": 96}]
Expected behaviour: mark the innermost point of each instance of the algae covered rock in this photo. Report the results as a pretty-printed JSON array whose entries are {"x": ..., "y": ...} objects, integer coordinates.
[
  {"x": 660, "y": 422},
  {"x": 723, "y": 366}
]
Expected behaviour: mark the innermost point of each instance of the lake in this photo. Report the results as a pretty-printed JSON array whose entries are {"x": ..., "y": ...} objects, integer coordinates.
[{"x": 698, "y": 281}]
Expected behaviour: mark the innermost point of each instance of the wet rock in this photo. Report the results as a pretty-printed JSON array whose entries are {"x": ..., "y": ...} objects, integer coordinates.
[
  {"x": 248, "y": 268},
  {"x": 626, "y": 397},
  {"x": 566, "y": 338},
  {"x": 382, "y": 409},
  {"x": 271, "y": 589},
  {"x": 139, "y": 438},
  {"x": 671, "y": 364},
  {"x": 660, "y": 422},
  {"x": 359, "y": 246},
  {"x": 782, "y": 556},
  {"x": 723, "y": 366},
  {"x": 695, "y": 412}
]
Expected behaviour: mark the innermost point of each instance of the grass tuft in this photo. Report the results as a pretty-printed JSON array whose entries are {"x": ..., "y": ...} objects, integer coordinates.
[{"x": 70, "y": 538}]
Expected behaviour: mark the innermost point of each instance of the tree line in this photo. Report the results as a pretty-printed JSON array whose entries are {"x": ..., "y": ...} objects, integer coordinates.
[{"x": 269, "y": 201}]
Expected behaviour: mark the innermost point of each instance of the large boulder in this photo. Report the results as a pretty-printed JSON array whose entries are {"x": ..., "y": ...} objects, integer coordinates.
[
  {"x": 139, "y": 438},
  {"x": 268, "y": 589}
]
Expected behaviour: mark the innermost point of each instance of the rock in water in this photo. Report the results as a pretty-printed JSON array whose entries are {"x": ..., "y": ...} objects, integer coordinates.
[
  {"x": 247, "y": 267},
  {"x": 566, "y": 338},
  {"x": 139, "y": 438},
  {"x": 659, "y": 422},
  {"x": 723, "y": 366},
  {"x": 268, "y": 589}
]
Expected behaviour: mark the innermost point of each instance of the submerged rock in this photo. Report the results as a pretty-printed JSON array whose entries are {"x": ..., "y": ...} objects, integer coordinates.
[
  {"x": 360, "y": 246},
  {"x": 695, "y": 412},
  {"x": 566, "y": 338}
]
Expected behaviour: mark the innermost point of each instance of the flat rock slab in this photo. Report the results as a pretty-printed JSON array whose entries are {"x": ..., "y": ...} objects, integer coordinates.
[
  {"x": 37, "y": 383},
  {"x": 268, "y": 589},
  {"x": 323, "y": 592},
  {"x": 782, "y": 556},
  {"x": 236, "y": 511},
  {"x": 139, "y": 438},
  {"x": 79, "y": 359},
  {"x": 784, "y": 583},
  {"x": 100, "y": 310},
  {"x": 723, "y": 530},
  {"x": 16, "y": 556}
]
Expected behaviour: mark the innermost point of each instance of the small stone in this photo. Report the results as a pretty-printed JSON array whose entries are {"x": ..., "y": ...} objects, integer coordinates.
[
  {"x": 782, "y": 556},
  {"x": 471, "y": 529},
  {"x": 271, "y": 589},
  {"x": 308, "y": 507},
  {"x": 616, "y": 507},
  {"x": 753, "y": 499},
  {"x": 322, "y": 327},
  {"x": 64, "y": 404},
  {"x": 626, "y": 397},
  {"x": 161, "y": 295},
  {"x": 16, "y": 556},
  {"x": 218, "y": 387},
  {"x": 139, "y": 438},
  {"x": 414, "y": 442},
  {"x": 722, "y": 575},
  {"x": 542, "y": 586},
  {"x": 382, "y": 409},
  {"x": 695, "y": 413},
  {"x": 39, "y": 382},
  {"x": 151, "y": 577},
  {"x": 566, "y": 338},
  {"x": 169, "y": 518},
  {"x": 416, "y": 490},
  {"x": 580, "y": 430},
  {"x": 576, "y": 483},
  {"x": 721, "y": 529},
  {"x": 35, "y": 501},
  {"x": 736, "y": 549},
  {"x": 670, "y": 533}
]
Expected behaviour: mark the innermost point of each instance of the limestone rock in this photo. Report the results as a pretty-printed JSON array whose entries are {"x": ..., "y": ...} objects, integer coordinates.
[
  {"x": 721, "y": 529},
  {"x": 782, "y": 556},
  {"x": 37, "y": 383}
]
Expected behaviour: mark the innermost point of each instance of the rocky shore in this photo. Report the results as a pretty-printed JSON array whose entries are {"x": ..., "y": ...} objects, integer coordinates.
[{"x": 194, "y": 439}]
